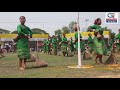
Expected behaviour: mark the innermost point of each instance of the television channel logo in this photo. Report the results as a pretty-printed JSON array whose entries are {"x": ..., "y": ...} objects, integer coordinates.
[{"x": 111, "y": 18}]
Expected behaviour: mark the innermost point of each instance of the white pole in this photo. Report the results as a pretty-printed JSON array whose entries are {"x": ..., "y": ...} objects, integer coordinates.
[{"x": 79, "y": 50}]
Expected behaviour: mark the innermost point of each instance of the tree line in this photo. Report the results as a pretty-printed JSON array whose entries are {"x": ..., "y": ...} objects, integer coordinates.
[{"x": 34, "y": 30}]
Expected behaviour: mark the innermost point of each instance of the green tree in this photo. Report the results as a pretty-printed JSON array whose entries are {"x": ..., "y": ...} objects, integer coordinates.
[
  {"x": 57, "y": 32},
  {"x": 71, "y": 28},
  {"x": 65, "y": 30},
  {"x": 4, "y": 31},
  {"x": 14, "y": 32},
  {"x": 38, "y": 31}
]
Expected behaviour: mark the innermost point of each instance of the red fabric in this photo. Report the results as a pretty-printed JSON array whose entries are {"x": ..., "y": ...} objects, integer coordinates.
[{"x": 114, "y": 46}]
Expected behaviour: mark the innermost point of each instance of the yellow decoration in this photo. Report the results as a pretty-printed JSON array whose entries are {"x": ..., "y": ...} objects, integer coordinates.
[
  {"x": 85, "y": 34},
  {"x": 14, "y": 35}
]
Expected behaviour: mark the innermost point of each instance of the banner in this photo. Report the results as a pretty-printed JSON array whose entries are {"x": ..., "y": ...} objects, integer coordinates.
[
  {"x": 14, "y": 35},
  {"x": 35, "y": 37},
  {"x": 85, "y": 35}
]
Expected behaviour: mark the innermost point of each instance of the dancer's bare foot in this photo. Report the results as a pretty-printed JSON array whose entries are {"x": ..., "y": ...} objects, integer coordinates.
[
  {"x": 100, "y": 62},
  {"x": 24, "y": 66},
  {"x": 97, "y": 63},
  {"x": 21, "y": 68}
]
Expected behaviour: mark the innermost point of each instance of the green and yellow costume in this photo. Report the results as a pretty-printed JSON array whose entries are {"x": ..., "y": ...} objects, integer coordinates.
[
  {"x": 64, "y": 44},
  {"x": 98, "y": 43},
  {"x": 48, "y": 46},
  {"x": 71, "y": 46},
  {"x": 54, "y": 45},
  {"x": 45, "y": 48},
  {"x": 90, "y": 44}
]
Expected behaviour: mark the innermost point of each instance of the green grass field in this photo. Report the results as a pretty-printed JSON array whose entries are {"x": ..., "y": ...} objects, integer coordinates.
[{"x": 57, "y": 68}]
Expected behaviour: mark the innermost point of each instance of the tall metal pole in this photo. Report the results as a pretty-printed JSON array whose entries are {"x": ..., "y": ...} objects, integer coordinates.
[{"x": 79, "y": 50}]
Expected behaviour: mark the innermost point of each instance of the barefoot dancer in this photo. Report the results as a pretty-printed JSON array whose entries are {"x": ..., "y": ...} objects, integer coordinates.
[
  {"x": 118, "y": 42},
  {"x": 76, "y": 39},
  {"x": 24, "y": 33},
  {"x": 48, "y": 46},
  {"x": 54, "y": 44},
  {"x": 98, "y": 39},
  {"x": 45, "y": 46},
  {"x": 90, "y": 43},
  {"x": 64, "y": 45},
  {"x": 71, "y": 45}
]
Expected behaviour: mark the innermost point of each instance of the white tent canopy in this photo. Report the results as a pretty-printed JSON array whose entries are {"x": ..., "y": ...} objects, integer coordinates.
[{"x": 32, "y": 39}]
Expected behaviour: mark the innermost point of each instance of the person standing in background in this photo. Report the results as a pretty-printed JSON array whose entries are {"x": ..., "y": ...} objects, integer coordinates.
[
  {"x": 54, "y": 44},
  {"x": 64, "y": 45},
  {"x": 90, "y": 43}
]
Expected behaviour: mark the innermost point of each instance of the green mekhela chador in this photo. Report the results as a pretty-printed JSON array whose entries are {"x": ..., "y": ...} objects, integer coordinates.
[
  {"x": 98, "y": 43},
  {"x": 23, "y": 49}
]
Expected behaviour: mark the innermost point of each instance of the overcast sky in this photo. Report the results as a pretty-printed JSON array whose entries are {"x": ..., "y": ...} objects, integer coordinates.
[{"x": 51, "y": 21}]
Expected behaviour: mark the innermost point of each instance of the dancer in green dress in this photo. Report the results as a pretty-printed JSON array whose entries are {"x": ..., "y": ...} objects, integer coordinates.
[
  {"x": 24, "y": 33},
  {"x": 45, "y": 46},
  {"x": 48, "y": 46},
  {"x": 90, "y": 43},
  {"x": 71, "y": 45},
  {"x": 98, "y": 39},
  {"x": 118, "y": 42},
  {"x": 64, "y": 45},
  {"x": 54, "y": 45}
]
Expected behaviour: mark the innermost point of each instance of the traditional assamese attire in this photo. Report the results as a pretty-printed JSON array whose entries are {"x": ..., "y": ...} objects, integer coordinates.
[{"x": 23, "y": 48}]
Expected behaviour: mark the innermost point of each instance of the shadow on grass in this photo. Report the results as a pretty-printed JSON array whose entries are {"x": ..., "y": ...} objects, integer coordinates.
[{"x": 33, "y": 67}]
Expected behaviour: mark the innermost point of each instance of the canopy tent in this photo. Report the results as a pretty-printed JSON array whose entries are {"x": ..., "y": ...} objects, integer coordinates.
[{"x": 9, "y": 37}]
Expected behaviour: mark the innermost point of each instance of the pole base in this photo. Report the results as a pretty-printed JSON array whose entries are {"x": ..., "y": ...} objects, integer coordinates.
[{"x": 83, "y": 66}]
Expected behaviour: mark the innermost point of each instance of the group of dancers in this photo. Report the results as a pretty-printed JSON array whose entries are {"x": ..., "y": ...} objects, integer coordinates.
[
  {"x": 96, "y": 46},
  {"x": 53, "y": 46}
]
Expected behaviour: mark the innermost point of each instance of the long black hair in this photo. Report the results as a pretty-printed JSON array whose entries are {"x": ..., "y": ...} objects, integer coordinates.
[{"x": 96, "y": 20}]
